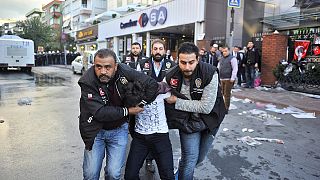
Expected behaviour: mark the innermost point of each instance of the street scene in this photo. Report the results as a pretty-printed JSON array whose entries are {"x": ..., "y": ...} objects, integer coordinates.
[
  {"x": 160, "y": 89},
  {"x": 40, "y": 137}
]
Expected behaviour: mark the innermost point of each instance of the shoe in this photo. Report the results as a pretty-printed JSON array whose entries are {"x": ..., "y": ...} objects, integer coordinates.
[{"x": 149, "y": 166}]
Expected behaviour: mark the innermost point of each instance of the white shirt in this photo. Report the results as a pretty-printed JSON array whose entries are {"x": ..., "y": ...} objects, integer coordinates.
[{"x": 153, "y": 118}]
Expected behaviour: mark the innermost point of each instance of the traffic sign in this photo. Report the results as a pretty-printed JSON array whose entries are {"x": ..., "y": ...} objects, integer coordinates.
[{"x": 234, "y": 3}]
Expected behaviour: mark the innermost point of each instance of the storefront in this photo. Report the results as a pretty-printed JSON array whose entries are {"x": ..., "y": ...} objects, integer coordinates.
[
  {"x": 86, "y": 39},
  {"x": 174, "y": 22}
]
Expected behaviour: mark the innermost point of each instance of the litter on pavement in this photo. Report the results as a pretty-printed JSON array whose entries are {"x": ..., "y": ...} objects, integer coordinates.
[
  {"x": 305, "y": 115},
  {"x": 249, "y": 141},
  {"x": 232, "y": 106},
  {"x": 295, "y": 112},
  {"x": 247, "y": 130},
  {"x": 225, "y": 129},
  {"x": 255, "y": 141},
  {"x": 24, "y": 101},
  {"x": 278, "y": 141}
]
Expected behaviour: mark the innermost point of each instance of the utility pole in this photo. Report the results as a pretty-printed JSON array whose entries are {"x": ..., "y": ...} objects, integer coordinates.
[{"x": 231, "y": 28}]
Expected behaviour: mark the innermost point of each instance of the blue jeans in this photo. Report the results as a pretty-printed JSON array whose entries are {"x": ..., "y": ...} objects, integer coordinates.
[
  {"x": 111, "y": 143},
  {"x": 194, "y": 149},
  {"x": 250, "y": 75}
]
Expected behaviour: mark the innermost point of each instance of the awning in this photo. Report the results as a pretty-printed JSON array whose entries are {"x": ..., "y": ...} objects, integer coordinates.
[{"x": 310, "y": 16}]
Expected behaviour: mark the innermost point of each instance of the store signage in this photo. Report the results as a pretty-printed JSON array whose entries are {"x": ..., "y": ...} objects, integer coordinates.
[
  {"x": 128, "y": 24},
  {"x": 83, "y": 34},
  {"x": 143, "y": 20},
  {"x": 87, "y": 33},
  {"x": 158, "y": 16}
]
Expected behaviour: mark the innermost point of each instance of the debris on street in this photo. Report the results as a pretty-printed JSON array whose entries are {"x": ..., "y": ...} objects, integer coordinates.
[
  {"x": 278, "y": 141},
  {"x": 24, "y": 101},
  {"x": 249, "y": 141},
  {"x": 305, "y": 115},
  {"x": 247, "y": 130},
  {"x": 255, "y": 141}
]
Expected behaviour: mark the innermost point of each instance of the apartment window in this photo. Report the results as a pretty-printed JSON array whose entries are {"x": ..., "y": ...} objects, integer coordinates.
[
  {"x": 119, "y": 3},
  {"x": 84, "y": 3}
]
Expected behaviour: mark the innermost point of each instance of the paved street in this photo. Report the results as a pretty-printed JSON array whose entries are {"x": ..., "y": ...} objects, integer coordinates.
[{"x": 41, "y": 140}]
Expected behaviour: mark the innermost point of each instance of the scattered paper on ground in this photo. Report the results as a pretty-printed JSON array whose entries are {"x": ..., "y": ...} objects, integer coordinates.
[
  {"x": 234, "y": 99},
  {"x": 255, "y": 141},
  {"x": 225, "y": 129},
  {"x": 304, "y": 115},
  {"x": 249, "y": 141},
  {"x": 24, "y": 101},
  {"x": 278, "y": 141},
  {"x": 232, "y": 106}
]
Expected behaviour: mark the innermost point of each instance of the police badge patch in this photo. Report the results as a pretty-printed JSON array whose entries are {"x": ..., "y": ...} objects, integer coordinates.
[
  {"x": 168, "y": 65},
  {"x": 123, "y": 80},
  {"x": 198, "y": 82},
  {"x": 146, "y": 65}
]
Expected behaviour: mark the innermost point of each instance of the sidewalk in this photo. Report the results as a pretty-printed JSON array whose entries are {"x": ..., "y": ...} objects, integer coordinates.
[{"x": 280, "y": 97}]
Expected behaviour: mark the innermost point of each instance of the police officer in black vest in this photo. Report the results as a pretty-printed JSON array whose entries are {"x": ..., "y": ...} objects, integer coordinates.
[
  {"x": 134, "y": 57},
  {"x": 157, "y": 65}
]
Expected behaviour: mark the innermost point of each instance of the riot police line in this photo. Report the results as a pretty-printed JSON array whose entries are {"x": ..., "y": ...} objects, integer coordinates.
[{"x": 46, "y": 59}]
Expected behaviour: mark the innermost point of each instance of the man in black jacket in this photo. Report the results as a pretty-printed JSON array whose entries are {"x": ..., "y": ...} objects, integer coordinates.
[
  {"x": 251, "y": 63},
  {"x": 134, "y": 57},
  {"x": 104, "y": 115},
  {"x": 196, "y": 94}
]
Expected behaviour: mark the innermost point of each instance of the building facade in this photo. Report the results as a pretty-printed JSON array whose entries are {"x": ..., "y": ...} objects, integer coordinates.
[{"x": 53, "y": 14}]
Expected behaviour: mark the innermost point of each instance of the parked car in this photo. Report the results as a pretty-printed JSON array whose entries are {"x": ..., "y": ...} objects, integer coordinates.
[{"x": 77, "y": 65}]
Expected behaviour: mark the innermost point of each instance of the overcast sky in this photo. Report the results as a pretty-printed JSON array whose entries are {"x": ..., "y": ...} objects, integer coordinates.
[{"x": 19, "y": 8}]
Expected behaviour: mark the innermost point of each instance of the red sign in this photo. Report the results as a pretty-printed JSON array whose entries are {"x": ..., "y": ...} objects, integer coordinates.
[{"x": 300, "y": 49}]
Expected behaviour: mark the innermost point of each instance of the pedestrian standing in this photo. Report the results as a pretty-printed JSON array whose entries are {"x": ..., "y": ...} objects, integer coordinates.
[
  {"x": 241, "y": 74},
  {"x": 251, "y": 64},
  {"x": 228, "y": 68}
]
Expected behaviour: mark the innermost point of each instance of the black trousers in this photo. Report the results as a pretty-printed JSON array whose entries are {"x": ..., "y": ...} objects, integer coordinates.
[
  {"x": 241, "y": 75},
  {"x": 160, "y": 146}
]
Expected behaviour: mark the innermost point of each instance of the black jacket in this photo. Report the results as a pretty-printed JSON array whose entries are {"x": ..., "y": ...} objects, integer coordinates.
[
  {"x": 129, "y": 60},
  {"x": 252, "y": 57},
  {"x": 97, "y": 112},
  {"x": 203, "y": 74},
  {"x": 147, "y": 68}
]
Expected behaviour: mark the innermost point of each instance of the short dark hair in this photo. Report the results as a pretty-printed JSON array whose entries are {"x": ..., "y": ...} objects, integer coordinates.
[
  {"x": 225, "y": 47},
  {"x": 104, "y": 53},
  {"x": 136, "y": 43},
  {"x": 188, "y": 48}
]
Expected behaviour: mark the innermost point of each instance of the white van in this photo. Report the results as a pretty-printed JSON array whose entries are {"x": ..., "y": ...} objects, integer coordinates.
[{"x": 16, "y": 52}]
